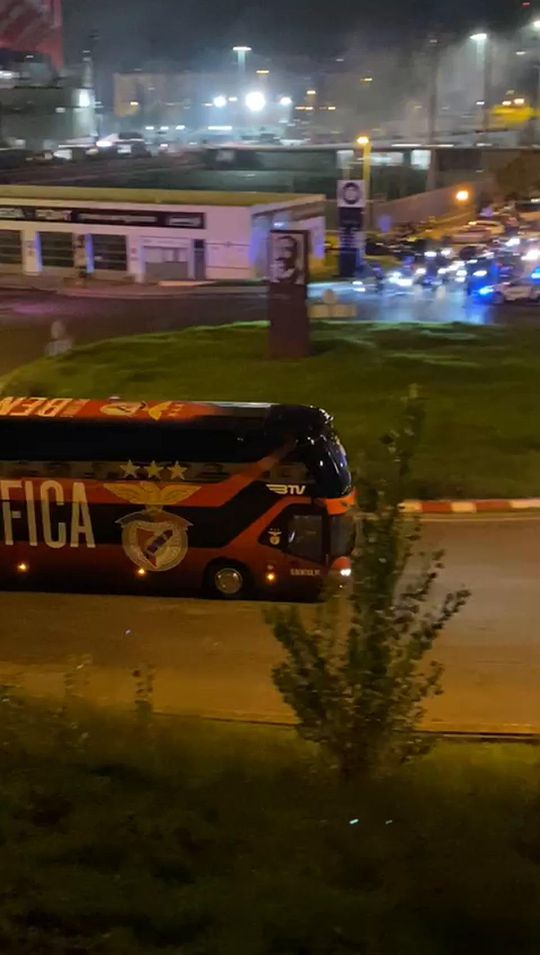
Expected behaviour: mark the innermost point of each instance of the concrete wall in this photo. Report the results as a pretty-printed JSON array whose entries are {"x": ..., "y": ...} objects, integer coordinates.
[{"x": 437, "y": 203}]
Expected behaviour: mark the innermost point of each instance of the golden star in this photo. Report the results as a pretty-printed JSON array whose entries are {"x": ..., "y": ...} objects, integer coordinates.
[
  {"x": 153, "y": 470},
  {"x": 177, "y": 471},
  {"x": 130, "y": 469}
]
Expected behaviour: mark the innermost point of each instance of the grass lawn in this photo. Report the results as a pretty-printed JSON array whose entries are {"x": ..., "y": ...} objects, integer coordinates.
[
  {"x": 125, "y": 839},
  {"x": 482, "y": 386}
]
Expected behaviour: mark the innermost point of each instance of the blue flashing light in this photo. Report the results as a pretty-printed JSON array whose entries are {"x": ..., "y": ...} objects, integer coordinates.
[
  {"x": 486, "y": 290},
  {"x": 535, "y": 274}
]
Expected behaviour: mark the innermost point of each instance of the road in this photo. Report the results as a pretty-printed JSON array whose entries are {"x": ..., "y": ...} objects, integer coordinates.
[
  {"x": 214, "y": 659},
  {"x": 26, "y": 316}
]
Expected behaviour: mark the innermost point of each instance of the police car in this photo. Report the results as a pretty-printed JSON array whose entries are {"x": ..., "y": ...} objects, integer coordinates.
[{"x": 517, "y": 290}]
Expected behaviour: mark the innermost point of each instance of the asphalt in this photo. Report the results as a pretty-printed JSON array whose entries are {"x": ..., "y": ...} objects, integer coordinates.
[
  {"x": 214, "y": 659},
  {"x": 26, "y": 316}
]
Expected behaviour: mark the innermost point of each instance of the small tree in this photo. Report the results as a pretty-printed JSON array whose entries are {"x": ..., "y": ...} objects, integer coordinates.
[{"x": 356, "y": 675}]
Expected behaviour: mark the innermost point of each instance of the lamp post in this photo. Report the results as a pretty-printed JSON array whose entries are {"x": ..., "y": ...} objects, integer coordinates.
[
  {"x": 483, "y": 45},
  {"x": 241, "y": 53},
  {"x": 433, "y": 106},
  {"x": 535, "y": 26},
  {"x": 365, "y": 143}
]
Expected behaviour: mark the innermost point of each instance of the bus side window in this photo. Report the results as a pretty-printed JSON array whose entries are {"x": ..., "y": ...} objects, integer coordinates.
[{"x": 304, "y": 536}]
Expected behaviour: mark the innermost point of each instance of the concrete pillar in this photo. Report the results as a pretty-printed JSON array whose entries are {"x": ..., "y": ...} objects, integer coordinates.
[
  {"x": 31, "y": 252},
  {"x": 135, "y": 251}
]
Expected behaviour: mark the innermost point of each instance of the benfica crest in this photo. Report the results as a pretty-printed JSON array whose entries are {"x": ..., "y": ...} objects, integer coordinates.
[{"x": 153, "y": 538}]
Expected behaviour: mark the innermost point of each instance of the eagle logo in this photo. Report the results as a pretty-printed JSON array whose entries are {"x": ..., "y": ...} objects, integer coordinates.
[{"x": 153, "y": 538}]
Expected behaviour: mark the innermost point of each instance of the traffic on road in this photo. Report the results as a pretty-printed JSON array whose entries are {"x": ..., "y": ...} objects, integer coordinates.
[{"x": 492, "y": 260}]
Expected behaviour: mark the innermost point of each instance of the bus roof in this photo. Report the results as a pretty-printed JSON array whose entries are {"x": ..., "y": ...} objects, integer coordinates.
[{"x": 115, "y": 409}]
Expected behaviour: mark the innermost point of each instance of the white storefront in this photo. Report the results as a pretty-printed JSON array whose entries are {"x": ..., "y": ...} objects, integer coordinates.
[{"x": 155, "y": 236}]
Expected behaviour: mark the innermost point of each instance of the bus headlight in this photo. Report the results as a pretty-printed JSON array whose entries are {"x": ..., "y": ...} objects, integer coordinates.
[{"x": 345, "y": 572}]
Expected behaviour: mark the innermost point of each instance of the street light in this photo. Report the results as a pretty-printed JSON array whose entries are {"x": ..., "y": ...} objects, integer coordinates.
[
  {"x": 433, "y": 101},
  {"x": 255, "y": 101},
  {"x": 241, "y": 52},
  {"x": 483, "y": 45},
  {"x": 535, "y": 27},
  {"x": 365, "y": 143},
  {"x": 462, "y": 196}
]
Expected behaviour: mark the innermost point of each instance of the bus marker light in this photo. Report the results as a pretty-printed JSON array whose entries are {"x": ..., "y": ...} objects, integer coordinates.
[
  {"x": 23, "y": 568},
  {"x": 140, "y": 572},
  {"x": 270, "y": 576}
]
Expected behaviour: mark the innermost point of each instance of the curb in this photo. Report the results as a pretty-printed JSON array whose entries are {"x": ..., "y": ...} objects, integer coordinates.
[
  {"x": 483, "y": 506},
  {"x": 128, "y": 293},
  {"x": 122, "y": 293}
]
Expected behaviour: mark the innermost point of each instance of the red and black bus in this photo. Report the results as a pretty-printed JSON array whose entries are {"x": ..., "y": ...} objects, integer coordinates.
[{"x": 232, "y": 500}]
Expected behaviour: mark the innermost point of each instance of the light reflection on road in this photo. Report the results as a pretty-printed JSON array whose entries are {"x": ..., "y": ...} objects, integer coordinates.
[{"x": 438, "y": 306}]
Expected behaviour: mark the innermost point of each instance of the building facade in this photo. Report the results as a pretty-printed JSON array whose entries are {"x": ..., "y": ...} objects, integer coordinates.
[{"x": 145, "y": 235}]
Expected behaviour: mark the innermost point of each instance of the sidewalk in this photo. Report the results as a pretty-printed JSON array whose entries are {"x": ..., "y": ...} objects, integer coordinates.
[{"x": 96, "y": 288}]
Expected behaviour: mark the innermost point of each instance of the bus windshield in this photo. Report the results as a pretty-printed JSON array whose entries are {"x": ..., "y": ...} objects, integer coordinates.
[{"x": 328, "y": 465}]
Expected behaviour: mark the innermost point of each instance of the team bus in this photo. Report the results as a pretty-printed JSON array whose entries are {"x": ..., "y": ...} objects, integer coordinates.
[{"x": 229, "y": 500}]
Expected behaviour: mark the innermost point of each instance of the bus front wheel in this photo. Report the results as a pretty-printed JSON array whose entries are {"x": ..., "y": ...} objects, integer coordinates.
[{"x": 228, "y": 580}]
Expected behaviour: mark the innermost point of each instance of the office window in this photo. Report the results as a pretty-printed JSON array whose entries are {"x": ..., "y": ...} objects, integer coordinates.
[
  {"x": 10, "y": 247},
  {"x": 110, "y": 253},
  {"x": 57, "y": 250}
]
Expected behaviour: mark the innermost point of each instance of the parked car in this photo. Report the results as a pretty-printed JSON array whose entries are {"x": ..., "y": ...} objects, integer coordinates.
[
  {"x": 494, "y": 225},
  {"x": 471, "y": 233}
]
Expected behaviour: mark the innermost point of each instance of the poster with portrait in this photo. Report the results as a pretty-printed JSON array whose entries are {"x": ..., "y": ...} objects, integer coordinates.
[
  {"x": 351, "y": 194},
  {"x": 288, "y": 257},
  {"x": 288, "y": 277}
]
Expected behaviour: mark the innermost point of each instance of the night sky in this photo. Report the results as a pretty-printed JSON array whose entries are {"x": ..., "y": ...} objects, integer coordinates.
[{"x": 194, "y": 33}]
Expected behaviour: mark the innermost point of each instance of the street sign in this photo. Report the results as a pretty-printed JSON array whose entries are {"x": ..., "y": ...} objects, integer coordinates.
[{"x": 351, "y": 201}]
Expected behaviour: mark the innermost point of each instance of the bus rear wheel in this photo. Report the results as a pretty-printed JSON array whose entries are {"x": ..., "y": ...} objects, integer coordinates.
[{"x": 227, "y": 580}]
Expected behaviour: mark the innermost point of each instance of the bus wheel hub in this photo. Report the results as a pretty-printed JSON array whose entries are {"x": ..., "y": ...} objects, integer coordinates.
[{"x": 228, "y": 580}]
